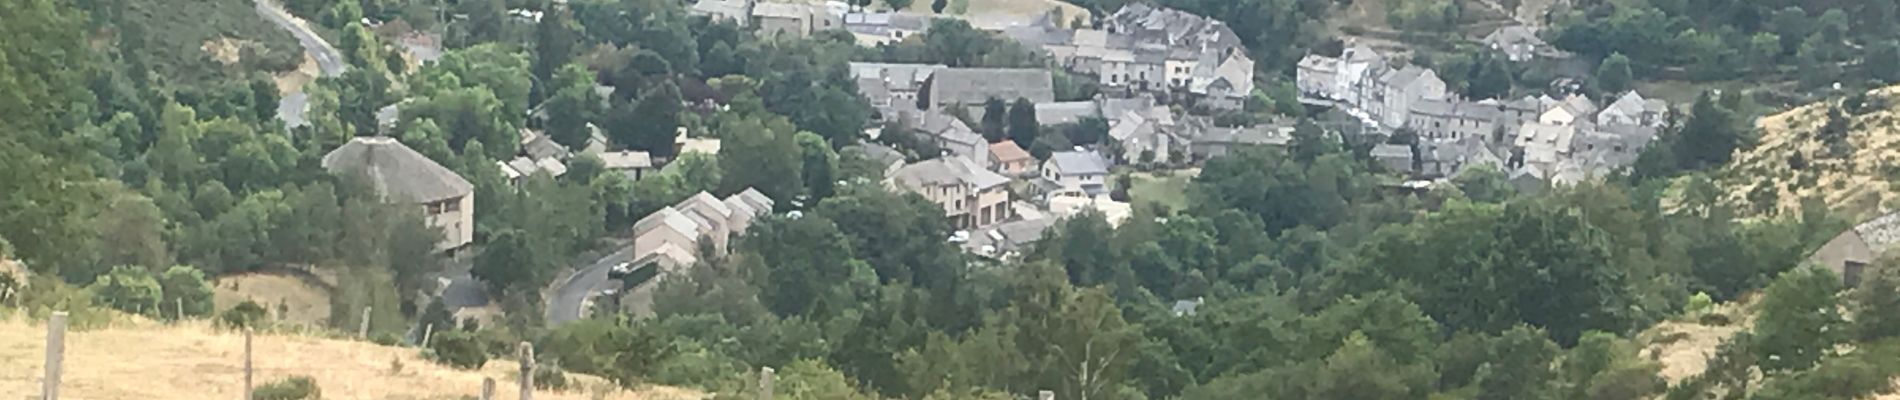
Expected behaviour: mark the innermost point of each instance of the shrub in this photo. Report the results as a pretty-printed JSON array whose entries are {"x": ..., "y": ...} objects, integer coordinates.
[
  {"x": 1713, "y": 319},
  {"x": 385, "y": 338},
  {"x": 458, "y": 349},
  {"x": 296, "y": 387},
  {"x": 550, "y": 377},
  {"x": 245, "y": 315},
  {"x": 185, "y": 285},
  {"x": 130, "y": 289}
]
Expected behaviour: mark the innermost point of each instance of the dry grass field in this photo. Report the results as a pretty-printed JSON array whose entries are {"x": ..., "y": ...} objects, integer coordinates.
[
  {"x": 302, "y": 302},
  {"x": 1858, "y": 184},
  {"x": 142, "y": 360}
]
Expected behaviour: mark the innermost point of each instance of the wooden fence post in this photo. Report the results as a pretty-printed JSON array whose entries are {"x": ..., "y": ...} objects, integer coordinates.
[
  {"x": 247, "y": 363},
  {"x": 488, "y": 388},
  {"x": 427, "y": 332},
  {"x": 55, "y": 353},
  {"x": 525, "y": 351},
  {"x": 766, "y": 377},
  {"x": 363, "y": 331}
]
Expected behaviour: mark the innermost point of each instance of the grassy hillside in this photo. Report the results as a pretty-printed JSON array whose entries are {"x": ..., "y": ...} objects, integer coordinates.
[
  {"x": 191, "y": 41},
  {"x": 150, "y": 361},
  {"x": 1792, "y": 161}
]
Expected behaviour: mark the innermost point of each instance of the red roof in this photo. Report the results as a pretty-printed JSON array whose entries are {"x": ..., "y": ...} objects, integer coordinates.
[{"x": 1008, "y": 151}]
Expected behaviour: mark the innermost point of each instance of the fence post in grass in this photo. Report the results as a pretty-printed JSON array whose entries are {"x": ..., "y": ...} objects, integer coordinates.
[
  {"x": 247, "y": 363},
  {"x": 525, "y": 352},
  {"x": 427, "y": 332},
  {"x": 766, "y": 376},
  {"x": 488, "y": 388},
  {"x": 55, "y": 353},
  {"x": 363, "y": 331}
]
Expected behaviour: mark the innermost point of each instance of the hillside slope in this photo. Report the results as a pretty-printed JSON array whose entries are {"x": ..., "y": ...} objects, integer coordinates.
[
  {"x": 1792, "y": 161},
  {"x": 192, "y": 361},
  {"x": 192, "y": 41}
]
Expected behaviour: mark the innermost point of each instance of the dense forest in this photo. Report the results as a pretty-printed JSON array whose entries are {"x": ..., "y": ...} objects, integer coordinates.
[{"x": 1297, "y": 273}]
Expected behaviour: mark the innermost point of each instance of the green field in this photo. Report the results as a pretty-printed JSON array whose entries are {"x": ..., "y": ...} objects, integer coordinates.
[{"x": 1166, "y": 188}]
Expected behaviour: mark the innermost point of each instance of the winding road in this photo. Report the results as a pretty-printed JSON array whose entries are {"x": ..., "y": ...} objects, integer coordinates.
[
  {"x": 569, "y": 302},
  {"x": 291, "y": 108}
]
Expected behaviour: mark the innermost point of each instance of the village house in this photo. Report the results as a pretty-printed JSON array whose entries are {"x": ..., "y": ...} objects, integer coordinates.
[
  {"x": 794, "y": 19},
  {"x": 1454, "y": 120},
  {"x": 631, "y": 164},
  {"x": 1347, "y": 80},
  {"x": 1399, "y": 89},
  {"x": 971, "y": 196},
  {"x": 1221, "y": 141},
  {"x": 965, "y": 87},
  {"x": 1633, "y": 109},
  {"x": 892, "y": 89},
  {"x": 1850, "y": 253},
  {"x": 880, "y": 28},
  {"x": 951, "y": 136},
  {"x": 1520, "y": 43},
  {"x": 1395, "y": 157},
  {"x": 1076, "y": 172},
  {"x": 1010, "y": 160},
  {"x": 1151, "y": 49},
  {"x": 738, "y": 12},
  {"x": 679, "y": 232},
  {"x": 399, "y": 175}
]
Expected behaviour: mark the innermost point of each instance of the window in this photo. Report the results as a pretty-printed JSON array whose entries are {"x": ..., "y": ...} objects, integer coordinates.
[
  {"x": 959, "y": 204},
  {"x": 1850, "y": 273},
  {"x": 452, "y": 205}
]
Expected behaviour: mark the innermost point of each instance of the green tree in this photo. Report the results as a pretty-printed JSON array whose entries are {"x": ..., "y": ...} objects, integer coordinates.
[
  {"x": 572, "y": 106},
  {"x": 652, "y": 123},
  {"x": 1023, "y": 126},
  {"x": 1799, "y": 323},
  {"x": 467, "y": 115},
  {"x": 556, "y": 40},
  {"x": 805, "y": 266},
  {"x": 185, "y": 287},
  {"x": 510, "y": 262},
  {"x": 995, "y": 122},
  {"x": 820, "y": 170},
  {"x": 1613, "y": 75},
  {"x": 761, "y": 154},
  {"x": 1876, "y": 306},
  {"x": 1710, "y": 136},
  {"x": 130, "y": 289},
  {"x": 898, "y": 5},
  {"x": 1359, "y": 370},
  {"x": 936, "y": 6},
  {"x": 1492, "y": 80}
]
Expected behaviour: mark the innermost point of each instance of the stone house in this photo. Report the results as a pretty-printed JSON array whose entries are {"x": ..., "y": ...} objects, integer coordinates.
[
  {"x": 400, "y": 175},
  {"x": 793, "y": 19},
  {"x": 1850, "y": 253},
  {"x": 1398, "y": 89},
  {"x": 960, "y": 87},
  {"x": 971, "y": 196},
  {"x": 1454, "y": 120}
]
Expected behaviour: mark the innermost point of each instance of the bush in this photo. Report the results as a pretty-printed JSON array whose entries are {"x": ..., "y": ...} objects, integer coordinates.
[
  {"x": 245, "y": 315},
  {"x": 130, "y": 289},
  {"x": 385, "y": 338},
  {"x": 550, "y": 377},
  {"x": 296, "y": 387},
  {"x": 1713, "y": 319},
  {"x": 185, "y": 285},
  {"x": 458, "y": 349}
]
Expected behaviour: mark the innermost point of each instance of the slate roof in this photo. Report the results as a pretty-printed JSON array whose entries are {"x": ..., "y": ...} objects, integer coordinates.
[
  {"x": 946, "y": 171},
  {"x": 626, "y": 159},
  {"x": 978, "y": 85},
  {"x": 1386, "y": 150},
  {"x": 396, "y": 172},
  {"x": 1253, "y": 135},
  {"x": 883, "y": 154},
  {"x": 1079, "y": 163},
  {"x": 1064, "y": 112},
  {"x": 1403, "y": 77},
  {"x": 781, "y": 10},
  {"x": 1457, "y": 109},
  {"x": 667, "y": 217}
]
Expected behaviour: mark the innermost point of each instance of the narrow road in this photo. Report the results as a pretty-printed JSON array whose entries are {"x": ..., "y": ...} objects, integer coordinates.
[
  {"x": 329, "y": 61},
  {"x": 569, "y": 302}
]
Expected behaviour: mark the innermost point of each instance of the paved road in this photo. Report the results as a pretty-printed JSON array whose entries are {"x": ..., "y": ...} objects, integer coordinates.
[
  {"x": 329, "y": 61},
  {"x": 570, "y": 300}
]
